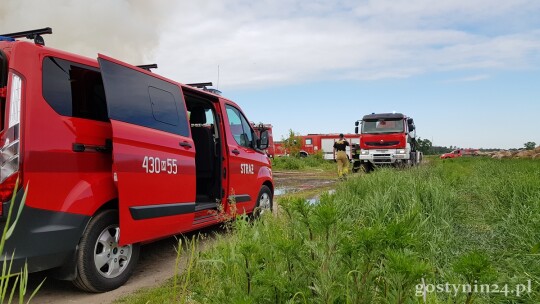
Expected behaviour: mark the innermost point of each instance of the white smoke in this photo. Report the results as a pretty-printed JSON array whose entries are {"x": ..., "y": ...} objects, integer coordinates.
[{"x": 125, "y": 29}]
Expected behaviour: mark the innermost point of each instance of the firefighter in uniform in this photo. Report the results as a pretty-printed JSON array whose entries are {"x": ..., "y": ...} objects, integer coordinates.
[{"x": 341, "y": 156}]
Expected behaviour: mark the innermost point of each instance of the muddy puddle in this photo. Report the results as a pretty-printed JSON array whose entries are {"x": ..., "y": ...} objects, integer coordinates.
[{"x": 305, "y": 182}]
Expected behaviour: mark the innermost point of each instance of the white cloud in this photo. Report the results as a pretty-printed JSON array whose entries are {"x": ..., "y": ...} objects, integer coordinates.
[
  {"x": 275, "y": 42},
  {"x": 271, "y": 43},
  {"x": 470, "y": 78}
]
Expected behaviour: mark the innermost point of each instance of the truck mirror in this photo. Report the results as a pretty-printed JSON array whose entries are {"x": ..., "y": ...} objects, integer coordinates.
[
  {"x": 263, "y": 141},
  {"x": 411, "y": 128},
  {"x": 356, "y": 129},
  {"x": 410, "y": 121},
  {"x": 356, "y": 123}
]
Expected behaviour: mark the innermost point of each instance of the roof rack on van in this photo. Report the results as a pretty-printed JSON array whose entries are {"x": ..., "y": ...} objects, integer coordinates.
[
  {"x": 32, "y": 34},
  {"x": 200, "y": 85},
  {"x": 148, "y": 66},
  {"x": 203, "y": 86}
]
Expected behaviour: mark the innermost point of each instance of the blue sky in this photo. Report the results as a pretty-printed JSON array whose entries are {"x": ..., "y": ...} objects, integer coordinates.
[
  {"x": 502, "y": 111},
  {"x": 467, "y": 71}
]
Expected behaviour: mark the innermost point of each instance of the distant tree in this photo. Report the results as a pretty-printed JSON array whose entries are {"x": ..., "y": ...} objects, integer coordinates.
[
  {"x": 530, "y": 145},
  {"x": 424, "y": 145},
  {"x": 293, "y": 143}
]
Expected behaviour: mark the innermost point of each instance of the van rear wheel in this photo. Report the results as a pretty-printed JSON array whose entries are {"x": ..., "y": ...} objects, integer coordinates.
[
  {"x": 102, "y": 264},
  {"x": 264, "y": 201}
]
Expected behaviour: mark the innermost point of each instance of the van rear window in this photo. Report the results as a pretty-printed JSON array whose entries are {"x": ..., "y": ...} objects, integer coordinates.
[{"x": 73, "y": 89}]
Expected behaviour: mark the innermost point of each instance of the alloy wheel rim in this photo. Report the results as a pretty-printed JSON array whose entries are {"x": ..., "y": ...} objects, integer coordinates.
[
  {"x": 264, "y": 202},
  {"x": 110, "y": 259}
]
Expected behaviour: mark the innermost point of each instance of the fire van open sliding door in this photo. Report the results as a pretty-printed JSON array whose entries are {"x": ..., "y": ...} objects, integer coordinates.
[{"x": 153, "y": 153}]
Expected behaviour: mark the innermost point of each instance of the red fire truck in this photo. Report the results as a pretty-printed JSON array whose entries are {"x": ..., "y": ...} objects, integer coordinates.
[
  {"x": 313, "y": 143},
  {"x": 386, "y": 139},
  {"x": 114, "y": 156}
]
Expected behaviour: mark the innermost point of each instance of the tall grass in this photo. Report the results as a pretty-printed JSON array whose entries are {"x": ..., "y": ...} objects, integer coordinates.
[
  {"x": 302, "y": 163},
  {"x": 11, "y": 280},
  {"x": 380, "y": 237}
]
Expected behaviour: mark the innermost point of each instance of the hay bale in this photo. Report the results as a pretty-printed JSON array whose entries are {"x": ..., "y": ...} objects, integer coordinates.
[
  {"x": 524, "y": 154},
  {"x": 501, "y": 154}
]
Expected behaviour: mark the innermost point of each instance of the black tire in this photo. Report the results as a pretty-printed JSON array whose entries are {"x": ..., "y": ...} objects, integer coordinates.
[
  {"x": 100, "y": 238},
  {"x": 367, "y": 167},
  {"x": 265, "y": 202}
]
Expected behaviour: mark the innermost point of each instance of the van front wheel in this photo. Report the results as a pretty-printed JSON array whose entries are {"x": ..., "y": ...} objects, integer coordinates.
[
  {"x": 102, "y": 264},
  {"x": 264, "y": 201}
]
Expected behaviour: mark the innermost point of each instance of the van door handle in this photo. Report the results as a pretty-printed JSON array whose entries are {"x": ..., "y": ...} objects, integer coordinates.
[
  {"x": 185, "y": 144},
  {"x": 236, "y": 152}
]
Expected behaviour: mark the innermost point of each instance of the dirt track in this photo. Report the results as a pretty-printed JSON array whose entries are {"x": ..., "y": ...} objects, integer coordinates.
[
  {"x": 156, "y": 265},
  {"x": 157, "y": 260}
]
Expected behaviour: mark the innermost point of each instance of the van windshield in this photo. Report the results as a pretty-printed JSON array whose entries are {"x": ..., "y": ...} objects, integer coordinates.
[
  {"x": 382, "y": 126},
  {"x": 3, "y": 85}
]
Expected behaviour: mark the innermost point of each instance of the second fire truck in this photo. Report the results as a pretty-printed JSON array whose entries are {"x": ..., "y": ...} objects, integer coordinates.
[
  {"x": 319, "y": 143},
  {"x": 386, "y": 139}
]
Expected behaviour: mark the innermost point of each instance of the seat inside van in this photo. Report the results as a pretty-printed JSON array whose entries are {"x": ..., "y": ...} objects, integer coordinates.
[{"x": 206, "y": 137}]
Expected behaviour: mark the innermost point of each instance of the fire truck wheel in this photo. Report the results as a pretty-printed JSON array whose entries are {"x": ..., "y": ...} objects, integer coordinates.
[
  {"x": 102, "y": 264},
  {"x": 367, "y": 167},
  {"x": 264, "y": 202}
]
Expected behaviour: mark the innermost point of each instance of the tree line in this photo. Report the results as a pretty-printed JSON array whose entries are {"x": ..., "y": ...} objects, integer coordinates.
[{"x": 427, "y": 147}]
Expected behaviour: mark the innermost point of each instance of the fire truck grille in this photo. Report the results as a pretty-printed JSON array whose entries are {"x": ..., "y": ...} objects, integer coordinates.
[{"x": 381, "y": 144}]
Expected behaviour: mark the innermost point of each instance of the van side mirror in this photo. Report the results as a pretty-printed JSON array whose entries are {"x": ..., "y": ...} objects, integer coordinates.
[{"x": 262, "y": 142}]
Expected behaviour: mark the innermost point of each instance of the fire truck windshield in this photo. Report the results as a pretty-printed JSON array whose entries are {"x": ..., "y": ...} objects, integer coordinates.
[{"x": 382, "y": 126}]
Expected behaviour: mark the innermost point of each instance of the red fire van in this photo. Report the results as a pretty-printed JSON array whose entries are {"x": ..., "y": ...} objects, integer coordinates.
[{"x": 115, "y": 156}]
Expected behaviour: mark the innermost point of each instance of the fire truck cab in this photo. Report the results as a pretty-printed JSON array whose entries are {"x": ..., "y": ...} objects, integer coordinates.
[
  {"x": 386, "y": 139},
  {"x": 114, "y": 156}
]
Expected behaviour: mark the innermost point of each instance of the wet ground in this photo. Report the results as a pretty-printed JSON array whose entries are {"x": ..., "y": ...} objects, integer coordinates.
[
  {"x": 308, "y": 185},
  {"x": 287, "y": 182}
]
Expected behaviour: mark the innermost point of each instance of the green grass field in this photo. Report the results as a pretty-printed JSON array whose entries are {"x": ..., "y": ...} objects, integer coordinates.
[
  {"x": 307, "y": 163},
  {"x": 465, "y": 221}
]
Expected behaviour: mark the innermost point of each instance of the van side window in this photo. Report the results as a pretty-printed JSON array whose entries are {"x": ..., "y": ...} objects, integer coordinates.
[
  {"x": 145, "y": 100},
  {"x": 163, "y": 106},
  {"x": 73, "y": 89},
  {"x": 240, "y": 128}
]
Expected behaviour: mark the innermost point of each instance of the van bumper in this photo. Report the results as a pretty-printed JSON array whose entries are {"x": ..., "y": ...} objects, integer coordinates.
[{"x": 43, "y": 239}]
